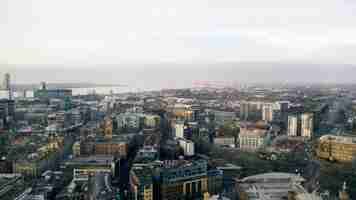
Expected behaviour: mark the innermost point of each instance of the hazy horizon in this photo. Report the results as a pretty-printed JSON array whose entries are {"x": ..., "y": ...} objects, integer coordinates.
[{"x": 170, "y": 75}]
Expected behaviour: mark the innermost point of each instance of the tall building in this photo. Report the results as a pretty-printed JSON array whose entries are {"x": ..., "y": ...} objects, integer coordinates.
[
  {"x": 306, "y": 125},
  {"x": 6, "y": 88},
  {"x": 267, "y": 112},
  {"x": 6, "y": 82},
  {"x": 251, "y": 110},
  {"x": 244, "y": 110},
  {"x": 43, "y": 86},
  {"x": 179, "y": 130},
  {"x": 292, "y": 125}
]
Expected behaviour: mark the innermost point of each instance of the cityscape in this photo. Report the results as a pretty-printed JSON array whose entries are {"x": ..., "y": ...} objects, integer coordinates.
[
  {"x": 252, "y": 142},
  {"x": 178, "y": 100}
]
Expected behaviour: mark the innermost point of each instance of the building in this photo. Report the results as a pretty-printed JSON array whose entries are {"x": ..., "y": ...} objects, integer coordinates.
[
  {"x": 182, "y": 111},
  {"x": 225, "y": 141},
  {"x": 336, "y": 148},
  {"x": 141, "y": 183},
  {"x": 108, "y": 128},
  {"x": 7, "y": 113},
  {"x": 267, "y": 112},
  {"x": 251, "y": 138},
  {"x": 183, "y": 179},
  {"x": 115, "y": 147},
  {"x": 307, "y": 125},
  {"x": 52, "y": 93},
  {"x": 179, "y": 130},
  {"x": 215, "y": 181},
  {"x": 6, "y": 82},
  {"x": 129, "y": 121},
  {"x": 82, "y": 167},
  {"x": 187, "y": 146},
  {"x": 300, "y": 125},
  {"x": 221, "y": 117},
  {"x": 11, "y": 185},
  {"x": 76, "y": 149},
  {"x": 251, "y": 110},
  {"x": 146, "y": 154},
  {"x": 151, "y": 121},
  {"x": 5, "y": 90},
  {"x": 292, "y": 125},
  {"x": 272, "y": 186}
]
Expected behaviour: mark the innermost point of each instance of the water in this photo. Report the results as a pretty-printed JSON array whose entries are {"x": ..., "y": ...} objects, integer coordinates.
[{"x": 88, "y": 90}]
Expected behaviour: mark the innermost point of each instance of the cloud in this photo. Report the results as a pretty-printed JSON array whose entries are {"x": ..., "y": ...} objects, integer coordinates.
[{"x": 116, "y": 31}]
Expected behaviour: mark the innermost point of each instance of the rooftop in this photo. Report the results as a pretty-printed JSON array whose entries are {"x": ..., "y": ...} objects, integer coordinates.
[{"x": 339, "y": 139}]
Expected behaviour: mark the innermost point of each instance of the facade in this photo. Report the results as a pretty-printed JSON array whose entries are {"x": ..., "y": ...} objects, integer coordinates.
[
  {"x": 292, "y": 125},
  {"x": 337, "y": 148},
  {"x": 6, "y": 82},
  {"x": 225, "y": 141},
  {"x": 111, "y": 147},
  {"x": 151, "y": 121},
  {"x": 251, "y": 139},
  {"x": 183, "y": 179},
  {"x": 128, "y": 121},
  {"x": 307, "y": 125},
  {"x": 76, "y": 149},
  {"x": 81, "y": 167},
  {"x": 187, "y": 146},
  {"x": 267, "y": 112},
  {"x": 250, "y": 110},
  {"x": 215, "y": 181},
  {"x": 146, "y": 154},
  {"x": 141, "y": 183},
  {"x": 179, "y": 130}
]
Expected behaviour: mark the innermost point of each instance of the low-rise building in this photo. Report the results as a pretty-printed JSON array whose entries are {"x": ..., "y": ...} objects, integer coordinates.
[
  {"x": 272, "y": 186},
  {"x": 251, "y": 139},
  {"x": 336, "y": 148},
  {"x": 183, "y": 179}
]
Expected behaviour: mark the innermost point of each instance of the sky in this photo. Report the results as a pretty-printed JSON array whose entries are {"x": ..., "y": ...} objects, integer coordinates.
[
  {"x": 130, "y": 34},
  {"x": 116, "y": 31}
]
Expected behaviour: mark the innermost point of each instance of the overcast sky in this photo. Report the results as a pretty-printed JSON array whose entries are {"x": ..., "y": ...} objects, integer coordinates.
[{"x": 79, "y": 32}]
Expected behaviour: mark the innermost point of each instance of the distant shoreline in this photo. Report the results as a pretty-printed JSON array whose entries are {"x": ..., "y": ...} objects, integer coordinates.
[{"x": 21, "y": 87}]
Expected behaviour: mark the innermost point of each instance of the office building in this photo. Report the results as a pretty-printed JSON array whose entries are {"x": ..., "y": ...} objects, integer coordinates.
[
  {"x": 141, "y": 182},
  {"x": 215, "y": 181},
  {"x": 293, "y": 125},
  {"x": 306, "y": 125},
  {"x": 146, "y": 154},
  {"x": 6, "y": 82},
  {"x": 251, "y": 110},
  {"x": 225, "y": 141},
  {"x": 337, "y": 148},
  {"x": 183, "y": 179},
  {"x": 251, "y": 138},
  {"x": 179, "y": 130},
  {"x": 267, "y": 112},
  {"x": 129, "y": 121},
  {"x": 187, "y": 146}
]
